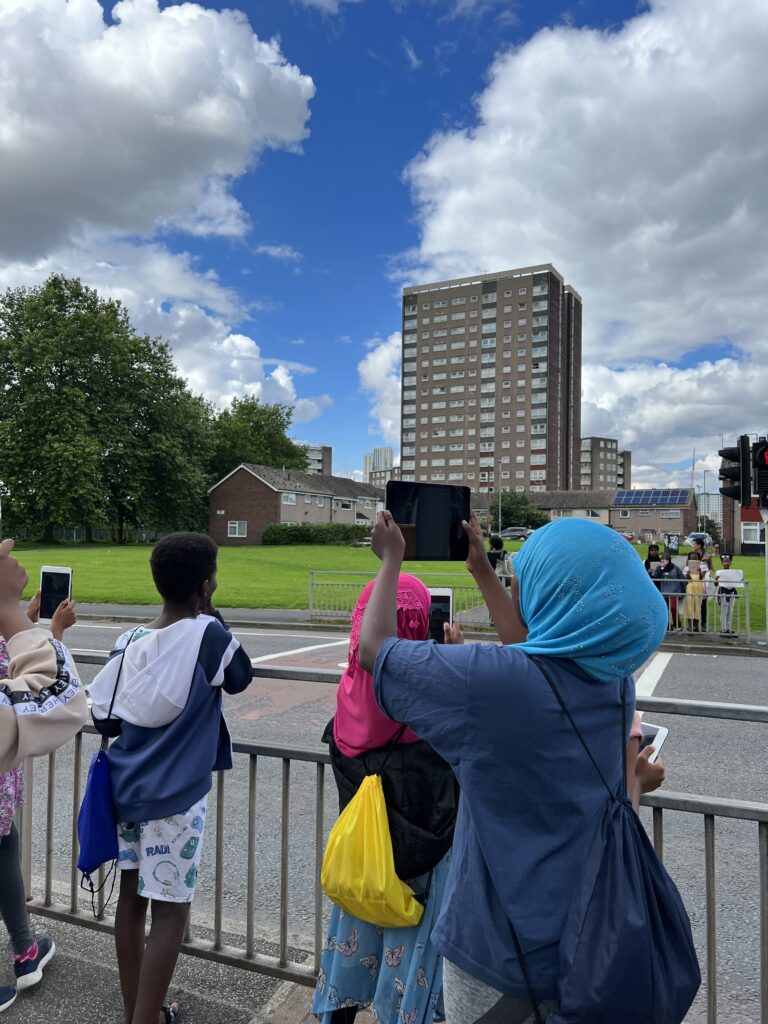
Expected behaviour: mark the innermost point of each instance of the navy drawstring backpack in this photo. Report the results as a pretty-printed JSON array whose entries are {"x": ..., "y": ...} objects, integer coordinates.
[{"x": 626, "y": 952}]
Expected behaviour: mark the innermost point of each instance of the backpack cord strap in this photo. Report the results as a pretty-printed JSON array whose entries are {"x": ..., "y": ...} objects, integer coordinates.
[
  {"x": 105, "y": 739},
  {"x": 545, "y": 672},
  {"x": 394, "y": 742},
  {"x": 624, "y": 780}
]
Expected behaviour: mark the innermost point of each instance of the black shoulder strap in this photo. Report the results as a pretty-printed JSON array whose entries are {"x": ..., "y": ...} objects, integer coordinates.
[
  {"x": 553, "y": 686},
  {"x": 393, "y": 743},
  {"x": 105, "y": 739}
]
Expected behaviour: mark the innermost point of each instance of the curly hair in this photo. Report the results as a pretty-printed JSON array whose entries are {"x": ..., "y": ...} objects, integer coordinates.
[{"x": 180, "y": 562}]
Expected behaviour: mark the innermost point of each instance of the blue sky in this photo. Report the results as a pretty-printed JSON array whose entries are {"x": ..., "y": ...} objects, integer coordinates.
[
  {"x": 258, "y": 186},
  {"x": 342, "y": 204}
]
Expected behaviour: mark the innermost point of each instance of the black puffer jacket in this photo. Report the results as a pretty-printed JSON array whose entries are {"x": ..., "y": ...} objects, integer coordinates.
[{"x": 422, "y": 797}]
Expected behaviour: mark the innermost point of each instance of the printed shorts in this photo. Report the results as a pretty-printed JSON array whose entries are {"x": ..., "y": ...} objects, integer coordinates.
[{"x": 166, "y": 852}]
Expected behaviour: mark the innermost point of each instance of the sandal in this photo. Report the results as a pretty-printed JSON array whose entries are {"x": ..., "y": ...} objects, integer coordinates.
[{"x": 171, "y": 1012}]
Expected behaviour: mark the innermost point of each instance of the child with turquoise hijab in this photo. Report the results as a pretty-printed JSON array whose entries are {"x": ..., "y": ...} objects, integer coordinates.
[
  {"x": 582, "y": 606},
  {"x": 585, "y": 595}
]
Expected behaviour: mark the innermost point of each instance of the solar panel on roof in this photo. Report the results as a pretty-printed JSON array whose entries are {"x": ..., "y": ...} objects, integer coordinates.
[{"x": 653, "y": 496}]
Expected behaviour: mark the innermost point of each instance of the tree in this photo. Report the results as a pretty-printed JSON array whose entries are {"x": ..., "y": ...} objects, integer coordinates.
[
  {"x": 710, "y": 526},
  {"x": 516, "y": 510},
  {"x": 96, "y": 426},
  {"x": 253, "y": 431}
]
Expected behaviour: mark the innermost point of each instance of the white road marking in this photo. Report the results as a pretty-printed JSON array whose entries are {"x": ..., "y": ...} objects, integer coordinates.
[
  {"x": 299, "y": 650},
  {"x": 647, "y": 682}
]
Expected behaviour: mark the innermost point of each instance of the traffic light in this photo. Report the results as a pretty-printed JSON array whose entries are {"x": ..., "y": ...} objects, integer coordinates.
[
  {"x": 737, "y": 466},
  {"x": 760, "y": 469}
]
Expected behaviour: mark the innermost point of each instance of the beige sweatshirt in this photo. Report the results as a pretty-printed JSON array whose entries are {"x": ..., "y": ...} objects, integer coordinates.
[{"x": 42, "y": 704}]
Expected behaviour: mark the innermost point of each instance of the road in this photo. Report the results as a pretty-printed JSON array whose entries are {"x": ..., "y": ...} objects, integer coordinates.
[{"x": 711, "y": 758}]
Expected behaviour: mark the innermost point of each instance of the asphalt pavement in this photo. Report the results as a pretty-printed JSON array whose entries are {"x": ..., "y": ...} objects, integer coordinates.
[{"x": 712, "y": 758}]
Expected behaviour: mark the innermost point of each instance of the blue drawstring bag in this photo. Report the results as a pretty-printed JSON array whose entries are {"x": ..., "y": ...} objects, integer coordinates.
[
  {"x": 96, "y": 825},
  {"x": 626, "y": 952}
]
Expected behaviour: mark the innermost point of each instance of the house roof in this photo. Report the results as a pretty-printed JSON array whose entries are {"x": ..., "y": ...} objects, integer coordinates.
[
  {"x": 572, "y": 499},
  {"x": 309, "y": 483}
]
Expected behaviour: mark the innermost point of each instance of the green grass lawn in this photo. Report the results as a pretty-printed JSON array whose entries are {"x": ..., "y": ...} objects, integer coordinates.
[
  {"x": 249, "y": 577},
  {"x": 261, "y": 577}
]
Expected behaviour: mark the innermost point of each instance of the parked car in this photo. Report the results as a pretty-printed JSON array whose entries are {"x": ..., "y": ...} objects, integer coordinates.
[
  {"x": 516, "y": 533},
  {"x": 627, "y": 535},
  {"x": 696, "y": 535}
]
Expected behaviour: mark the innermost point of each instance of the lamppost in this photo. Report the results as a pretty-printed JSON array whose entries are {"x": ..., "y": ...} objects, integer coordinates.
[
  {"x": 498, "y": 484},
  {"x": 698, "y": 506}
]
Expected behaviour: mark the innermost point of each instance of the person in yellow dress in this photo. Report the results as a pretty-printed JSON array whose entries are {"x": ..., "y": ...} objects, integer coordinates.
[{"x": 694, "y": 594}]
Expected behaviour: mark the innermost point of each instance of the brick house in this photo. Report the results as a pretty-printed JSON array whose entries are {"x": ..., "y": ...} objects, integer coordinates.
[
  {"x": 752, "y": 530},
  {"x": 648, "y": 514},
  {"x": 251, "y": 497}
]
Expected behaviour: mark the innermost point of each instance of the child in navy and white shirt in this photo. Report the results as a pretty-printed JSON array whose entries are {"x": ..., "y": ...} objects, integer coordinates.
[{"x": 170, "y": 737}]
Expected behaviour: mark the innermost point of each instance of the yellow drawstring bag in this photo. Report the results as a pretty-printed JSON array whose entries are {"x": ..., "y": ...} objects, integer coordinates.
[{"x": 358, "y": 871}]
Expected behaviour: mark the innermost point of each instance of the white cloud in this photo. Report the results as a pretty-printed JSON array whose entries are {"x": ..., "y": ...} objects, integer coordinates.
[
  {"x": 379, "y": 374},
  {"x": 112, "y": 134},
  {"x": 167, "y": 296},
  {"x": 134, "y": 126},
  {"x": 327, "y": 6},
  {"x": 637, "y": 165},
  {"x": 410, "y": 54},
  {"x": 663, "y": 414},
  {"x": 280, "y": 252}
]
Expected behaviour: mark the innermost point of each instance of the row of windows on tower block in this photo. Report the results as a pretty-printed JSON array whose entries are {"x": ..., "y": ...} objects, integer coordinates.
[{"x": 537, "y": 291}]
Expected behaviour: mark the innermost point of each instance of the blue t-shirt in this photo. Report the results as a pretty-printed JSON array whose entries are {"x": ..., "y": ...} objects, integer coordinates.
[{"x": 530, "y": 796}]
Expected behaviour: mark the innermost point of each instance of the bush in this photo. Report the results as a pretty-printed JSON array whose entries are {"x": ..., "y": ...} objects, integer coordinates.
[{"x": 314, "y": 533}]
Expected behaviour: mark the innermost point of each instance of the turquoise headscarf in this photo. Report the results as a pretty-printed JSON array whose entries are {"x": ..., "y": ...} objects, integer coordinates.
[{"x": 585, "y": 595}]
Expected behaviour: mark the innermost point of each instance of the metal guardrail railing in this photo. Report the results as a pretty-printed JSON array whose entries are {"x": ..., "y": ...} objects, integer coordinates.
[
  {"x": 333, "y": 595},
  {"x": 715, "y": 613},
  {"x": 80, "y": 912},
  {"x": 303, "y": 972}
]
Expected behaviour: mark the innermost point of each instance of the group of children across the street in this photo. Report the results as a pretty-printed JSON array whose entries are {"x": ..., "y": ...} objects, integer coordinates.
[
  {"x": 491, "y": 799},
  {"x": 688, "y": 589}
]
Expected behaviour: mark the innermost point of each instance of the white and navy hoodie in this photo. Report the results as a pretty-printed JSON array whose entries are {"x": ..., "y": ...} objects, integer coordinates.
[{"x": 167, "y": 715}]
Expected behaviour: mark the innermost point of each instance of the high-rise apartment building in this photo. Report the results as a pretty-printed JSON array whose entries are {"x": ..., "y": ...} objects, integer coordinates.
[
  {"x": 602, "y": 466},
  {"x": 491, "y": 381},
  {"x": 378, "y": 461},
  {"x": 320, "y": 458}
]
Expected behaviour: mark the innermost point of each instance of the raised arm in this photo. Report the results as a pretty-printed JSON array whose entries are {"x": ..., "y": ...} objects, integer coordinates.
[
  {"x": 503, "y": 607},
  {"x": 380, "y": 619},
  {"x": 42, "y": 703}
]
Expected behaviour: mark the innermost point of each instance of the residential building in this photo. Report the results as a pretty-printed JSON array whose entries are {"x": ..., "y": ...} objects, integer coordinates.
[
  {"x": 576, "y": 504},
  {"x": 652, "y": 512},
  {"x": 251, "y": 497},
  {"x": 320, "y": 457},
  {"x": 378, "y": 461},
  {"x": 602, "y": 465},
  {"x": 751, "y": 538},
  {"x": 491, "y": 381},
  {"x": 646, "y": 514},
  {"x": 711, "y": 506},
  {"x": 624, "y": 470},
  {"x": 379, "y": 477}
]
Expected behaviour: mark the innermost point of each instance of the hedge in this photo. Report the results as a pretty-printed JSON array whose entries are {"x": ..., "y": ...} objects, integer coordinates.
[{"x": 314, "y": 533}]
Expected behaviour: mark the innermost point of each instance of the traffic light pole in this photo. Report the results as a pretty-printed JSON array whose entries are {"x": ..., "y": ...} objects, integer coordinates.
[{"x": 764, "y": 514}]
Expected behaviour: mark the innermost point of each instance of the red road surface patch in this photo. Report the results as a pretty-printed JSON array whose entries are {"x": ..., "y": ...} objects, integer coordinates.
[{"x": 267, "y": 698}]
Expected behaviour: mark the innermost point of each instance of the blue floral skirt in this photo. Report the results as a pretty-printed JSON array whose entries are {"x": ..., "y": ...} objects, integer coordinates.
[{"x": 396, "y": 971}]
